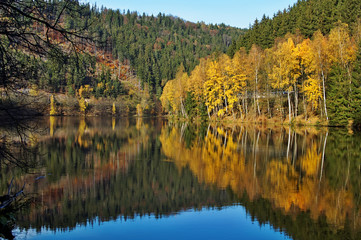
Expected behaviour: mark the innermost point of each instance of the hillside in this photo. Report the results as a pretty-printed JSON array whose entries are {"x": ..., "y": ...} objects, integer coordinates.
[
  {"x": 296, "y": 68},
  {"x": 147, "y": 47},
  {"x": 304, "y": 17},
  {"x": 65, "y": 47},
  {"x": 124, "y": 55},
  {"x": 157, "y": 46}
]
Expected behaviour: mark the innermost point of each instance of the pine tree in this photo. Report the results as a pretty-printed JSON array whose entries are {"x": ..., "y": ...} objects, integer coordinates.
[
  {"x": 190, "y": 105},
  {"x": 338, "y": 97},
  {"x": 356, "y": 91}
]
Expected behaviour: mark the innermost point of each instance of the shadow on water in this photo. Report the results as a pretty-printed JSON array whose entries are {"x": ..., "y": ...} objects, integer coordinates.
[
  {"x": 304, "y": 182},
  {"x": 19, "y": 156}
]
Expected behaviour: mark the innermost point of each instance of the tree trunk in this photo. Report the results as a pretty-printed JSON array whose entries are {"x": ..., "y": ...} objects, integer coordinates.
[
  {"x": 254, "y": 102},
  {"x": 244, "y": 106},
  {"x": 246, "y": 103},
  {"x": 225, "y": 98},
  {"x": 289, "y": 106},
  {"x": 323, "y": 156},
  {"x": 268, "y": 101},
  {"x": 296, "y": 100},
  {"x": 182, "y": 108},
  {"x": 289, "y": 141},
  {"x": 324, "y": 94},
  {"x": 255, "y": 95},
  {"x": 305, "y": 107},
  {"x": 209, "y": 116}
]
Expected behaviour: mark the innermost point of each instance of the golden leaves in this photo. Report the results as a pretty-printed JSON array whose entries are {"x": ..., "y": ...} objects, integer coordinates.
[
  {"x": 342, "y": 48},
  {"x": 174, "y": 93},
  {"x": 53, "y": 110},
  {"x": 222, "y": 84},
  {"x": 312, "y": 91},
  {"x": 285, "y": 69},
  {"x": 220, "y": 159},
  {"x": 83, "y": 105}
]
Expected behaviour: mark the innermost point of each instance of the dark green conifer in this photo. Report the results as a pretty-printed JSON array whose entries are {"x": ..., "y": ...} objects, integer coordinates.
[
  {"x": 356, "y": 91},
  {"x": 338, "y": 96}
]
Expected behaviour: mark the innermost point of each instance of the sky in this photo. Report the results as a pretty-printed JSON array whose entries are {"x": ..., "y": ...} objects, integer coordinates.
[{"x": 236, "y": 13}]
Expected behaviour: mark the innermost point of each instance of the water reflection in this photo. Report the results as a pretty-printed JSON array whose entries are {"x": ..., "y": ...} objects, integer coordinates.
[
  {"x": 307, "y": 172},
  {"x": 305, "y": 182},
  {"x": 95, "y": 171}
]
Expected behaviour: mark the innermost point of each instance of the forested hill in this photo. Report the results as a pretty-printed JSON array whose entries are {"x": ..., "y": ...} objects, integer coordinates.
[
  {"x": 64, "y": 47},
  {"x": 305, "y": 17},
  {"x": 306, "y": 60},
  {"x": 155, "y": 46}
]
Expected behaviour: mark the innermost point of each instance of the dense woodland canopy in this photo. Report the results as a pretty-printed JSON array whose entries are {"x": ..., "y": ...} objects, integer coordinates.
[
  {"x": 304, "y": 17},
  {"x": 305, "y": 62},
  {"x": 117, "y": 53},
  {"x": 296, "y": 76},
  {"x": 302, "y": 63},
  {"x": 126, "y": 44},
  {"x": 156, "y": 46}
]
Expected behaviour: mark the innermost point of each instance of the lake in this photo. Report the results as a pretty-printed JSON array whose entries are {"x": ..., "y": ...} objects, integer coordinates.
[{"x": 147, "y": 178}]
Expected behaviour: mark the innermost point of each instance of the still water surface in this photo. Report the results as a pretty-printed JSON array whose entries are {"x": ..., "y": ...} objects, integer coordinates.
[{"x": 150, "y": 179}]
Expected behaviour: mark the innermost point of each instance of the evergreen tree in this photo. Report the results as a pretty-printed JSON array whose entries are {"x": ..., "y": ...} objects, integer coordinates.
[
  {"x": 190, "y": 105},
  {"x": 338, "y": 97},
  {"x": 307, "y": 16},
  {"x": 356, "y": 91}
]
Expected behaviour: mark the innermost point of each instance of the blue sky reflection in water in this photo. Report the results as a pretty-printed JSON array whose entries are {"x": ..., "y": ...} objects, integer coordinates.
[
  {"x": 116, "y": 169},
  {"x": 227, "y": 223}
]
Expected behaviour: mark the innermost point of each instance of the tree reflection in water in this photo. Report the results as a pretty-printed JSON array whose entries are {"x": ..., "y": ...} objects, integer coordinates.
[
  {"x": 304, "y": 182},
  {"x": 19, "y": 157},
  {"x": 308, "y": 174}
]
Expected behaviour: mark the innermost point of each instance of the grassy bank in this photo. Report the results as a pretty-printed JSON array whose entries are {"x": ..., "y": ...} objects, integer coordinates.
[
  {"x": 260, "y": 120},
  {"x": 44, "y": 103}
]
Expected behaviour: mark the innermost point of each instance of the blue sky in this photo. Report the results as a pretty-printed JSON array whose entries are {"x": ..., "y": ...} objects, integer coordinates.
[{"x": 237, "y": 13}]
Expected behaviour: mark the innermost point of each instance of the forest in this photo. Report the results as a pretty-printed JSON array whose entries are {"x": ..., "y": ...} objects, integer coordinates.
[
  {"x": 100, "y": 56},
  {"x": 300, "y": 66},
  {"x": 305, "y": 17},
  {"x": 301, "y": 78},
  {"x": 64, "y": 57},
  {"x": 151, "y": 46}
]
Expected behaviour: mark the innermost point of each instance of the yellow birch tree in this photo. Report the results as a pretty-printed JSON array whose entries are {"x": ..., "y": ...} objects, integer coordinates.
[
  {"x": 255, "y": 59},
  {"x": 320, "y": 49},
  {"x": 311, "y": 86},
  {"x": 167, "y": 98},
  {"x": 53, "y": 111},
  {"x": 342, "y": 48},
  {"x": 213, "y": 90},
  {"x": 196, "y": 81},
  {"x": 240, "y": 68},
  {"x": 285, "y": 70}
]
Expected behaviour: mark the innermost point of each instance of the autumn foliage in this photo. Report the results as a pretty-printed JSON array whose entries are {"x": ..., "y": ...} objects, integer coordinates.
[
  {"x": 289, "y": 80},
  {"x": 267, "y": 164}
]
